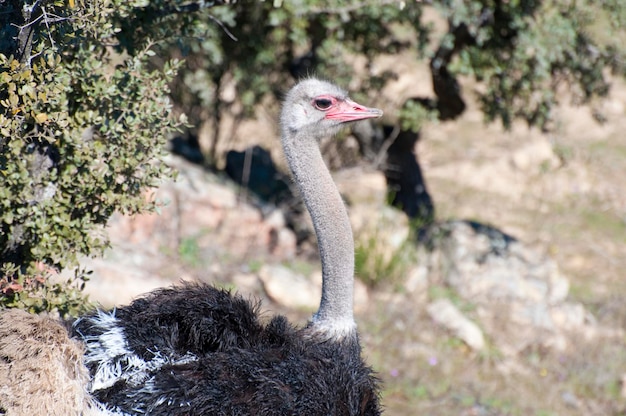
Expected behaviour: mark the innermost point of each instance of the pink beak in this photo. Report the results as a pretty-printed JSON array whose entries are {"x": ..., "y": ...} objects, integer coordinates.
[{"x": 348, "y": 110}]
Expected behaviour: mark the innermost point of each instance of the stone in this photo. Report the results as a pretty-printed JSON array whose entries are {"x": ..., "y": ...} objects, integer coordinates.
[
  {"x": 570, "y": 399},
  {"x": 569, "y": 316},
  {"x": 417, "y": 281},
  {"x": 289, "y": 289},
  {"x": 199, "y": 208},
  {"x": 520, "y": 293},
  {"x": 118, "y": 284},
  {"x": 444, "y": 313}
]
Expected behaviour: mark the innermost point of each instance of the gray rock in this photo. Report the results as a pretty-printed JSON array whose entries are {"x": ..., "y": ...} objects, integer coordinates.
[
  {"x": 417, "y": 280},
  {"x": 198, "y": 208},
  {"x": 570, "y": 399},
  {"x": 290, "y": 289},
  {"x": 447, "y": 315},
  {"x": 520, "y": 292}
]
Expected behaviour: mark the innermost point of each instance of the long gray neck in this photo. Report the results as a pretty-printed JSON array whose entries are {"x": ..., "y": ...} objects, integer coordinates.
[{"x": 334, "y": 234}]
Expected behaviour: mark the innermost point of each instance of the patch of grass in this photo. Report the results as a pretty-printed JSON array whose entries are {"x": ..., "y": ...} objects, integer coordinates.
[
  {"x": 596, "y": 372},
  {"x": 607, "y": 147},
  {"x": 302, "y": 267},
  {"x": 189, "y": 251},
  {"x": 255, "y": 265},
  {"x": 563, "y": 152},
  {"x": 582, "y": 291},
  {"x": 226, "y": 286},
  {"x": 375, "y": 264},
  {"x": 381, "y": 261},
  {"x": 581, "y": 217},
  {"x": 605, "y": 222},
  {"x": 444, "y": 292},
  {"x": 419, "y": 392},
  {"x": 501, "y": 405}
]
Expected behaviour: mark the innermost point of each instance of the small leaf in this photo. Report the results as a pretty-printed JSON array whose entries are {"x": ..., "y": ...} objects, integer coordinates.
[
  {"x": 41, "y": 118},
  {"x": 14, "y": 100}
]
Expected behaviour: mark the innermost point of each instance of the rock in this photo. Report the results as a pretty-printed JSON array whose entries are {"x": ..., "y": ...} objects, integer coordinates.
[
  {"x": 520, "y": 293},
  {"x": 204, "y": 205},
  {"x": 246, "y": 283},
  {"x": 447, "y": 315},
  {"x": 531, "y": 314},
  {"x": 478, "y": 271},
  {"x": 290, "y": 289},
  {"x": 283, "y": 242},
  {"x": 568, "y": 315},
  {"x": 118, "y": 284},
  {"x": 417, "y": 281},
  {"x": 570, "y": 399},
  {"x": 361, "y": 293},
  {"x": 559, "y": 286},
  {"x": 362, "y": 187},
  {"x": 485, "y": 267},
  {"x": 198, "y": 209}
]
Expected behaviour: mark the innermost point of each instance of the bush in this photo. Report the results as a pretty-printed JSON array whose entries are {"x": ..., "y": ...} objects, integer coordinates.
[{"x": 83, "y": 131}]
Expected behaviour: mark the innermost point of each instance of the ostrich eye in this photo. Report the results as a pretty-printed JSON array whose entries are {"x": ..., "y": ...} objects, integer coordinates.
[{"x": 322, "y": 103}]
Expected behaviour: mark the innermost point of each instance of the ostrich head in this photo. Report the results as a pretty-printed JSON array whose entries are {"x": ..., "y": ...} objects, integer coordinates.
[
  {"x": 314, "y": 110},
  {"x": 317, "y": 109}
]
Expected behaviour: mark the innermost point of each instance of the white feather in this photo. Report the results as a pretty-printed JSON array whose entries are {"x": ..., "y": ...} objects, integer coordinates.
[{"x": 115, "y": 361}]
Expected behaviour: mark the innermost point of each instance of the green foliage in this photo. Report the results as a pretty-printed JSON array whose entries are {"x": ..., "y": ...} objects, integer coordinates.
[
  {"x": 444, "y": 292},
  {"x": 271, "y": 39},
  {"x": 529, "y": 52},
  {"x": 37, "y": 294},
  {"x": 524, "y": 53},
  {"x": 412, "y": 116},
  {"x": 82, "y": 134},
  {"x": 189, "y": 252},
  {"x": 376, "y": 265}
]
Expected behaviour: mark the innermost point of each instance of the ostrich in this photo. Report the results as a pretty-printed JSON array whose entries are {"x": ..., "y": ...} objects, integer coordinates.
[{"x": 199, "y": 350}]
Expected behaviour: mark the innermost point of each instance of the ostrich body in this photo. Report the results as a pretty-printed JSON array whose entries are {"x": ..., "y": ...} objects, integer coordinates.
[{"x": 198, "y": 350}]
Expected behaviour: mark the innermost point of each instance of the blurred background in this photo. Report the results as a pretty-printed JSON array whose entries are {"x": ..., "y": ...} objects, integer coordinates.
[{"x": 138, "y": 148}]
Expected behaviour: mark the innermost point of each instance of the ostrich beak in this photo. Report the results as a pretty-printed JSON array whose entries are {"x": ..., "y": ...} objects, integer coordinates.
[{"x": 348, "y": 110}]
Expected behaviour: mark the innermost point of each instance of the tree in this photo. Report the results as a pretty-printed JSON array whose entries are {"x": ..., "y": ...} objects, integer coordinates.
[
  {"x": 523, "y": 53},
  {"x": 84, "y": 118}
]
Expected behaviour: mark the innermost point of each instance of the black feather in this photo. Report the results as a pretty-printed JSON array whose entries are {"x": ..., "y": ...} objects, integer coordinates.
[{"x": 239, "y": 365}]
